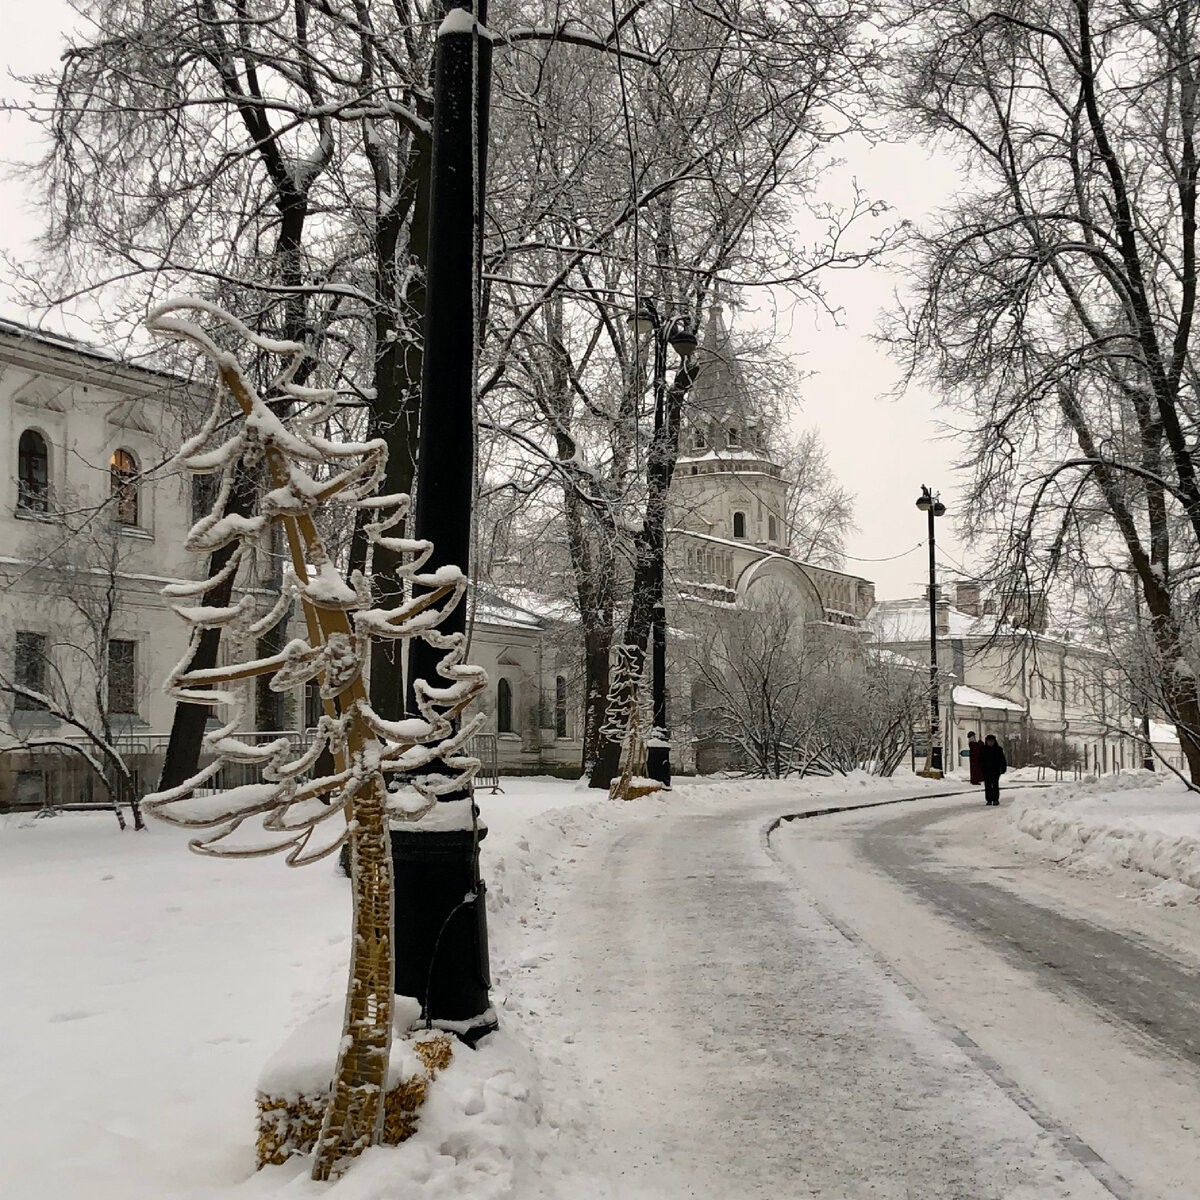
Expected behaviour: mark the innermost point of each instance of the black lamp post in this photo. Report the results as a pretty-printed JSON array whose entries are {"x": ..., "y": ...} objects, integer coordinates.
[
  {"x": 929, "y": 504},
  {"x": 440, "y": 915},
  {"x": 678, "y": 335}
]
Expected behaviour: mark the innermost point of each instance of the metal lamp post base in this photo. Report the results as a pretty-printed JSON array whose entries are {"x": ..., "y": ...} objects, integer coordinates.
[{"x": 441, "y": 929}]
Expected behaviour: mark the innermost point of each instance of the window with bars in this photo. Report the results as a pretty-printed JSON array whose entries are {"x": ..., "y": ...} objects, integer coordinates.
[
  {"x": 29, "y": 668},
  {"x": 33, "y": 472},
  {"x": 504, "y": 707},
  {"x": 123, "y": 486},
  {"x": 122, "y": 676}
]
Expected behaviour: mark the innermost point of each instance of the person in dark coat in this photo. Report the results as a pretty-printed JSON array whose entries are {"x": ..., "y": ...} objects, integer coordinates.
[
  {"x": 974, "y": 749},
  {"x": 992, "y": 764}
]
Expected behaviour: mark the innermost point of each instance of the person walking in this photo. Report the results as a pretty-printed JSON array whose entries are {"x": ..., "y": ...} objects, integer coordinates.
[
  {"x": 974, "y": 749},
  {"x": 992, "y": 764}
]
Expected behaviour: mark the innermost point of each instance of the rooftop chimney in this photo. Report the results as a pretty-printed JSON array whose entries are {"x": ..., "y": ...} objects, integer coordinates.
[
  {"x": 943, "y": 612},
  {"x": 966, "y": 598},
  {"x": 865, "y": 598},
  {"x": 943, "y": 617}
]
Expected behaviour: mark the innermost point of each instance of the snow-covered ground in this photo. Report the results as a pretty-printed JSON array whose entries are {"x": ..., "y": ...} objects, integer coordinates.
[
  {"x": 144, "y": 988},
  {"x": 1139, "y": 820}
]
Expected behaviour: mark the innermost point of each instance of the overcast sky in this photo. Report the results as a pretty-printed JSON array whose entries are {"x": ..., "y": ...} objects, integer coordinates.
[{"x": 881, "y": 449}]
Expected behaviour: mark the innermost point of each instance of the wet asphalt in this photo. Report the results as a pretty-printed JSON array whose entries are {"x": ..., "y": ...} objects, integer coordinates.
[{"x": 1125, "y": 978}]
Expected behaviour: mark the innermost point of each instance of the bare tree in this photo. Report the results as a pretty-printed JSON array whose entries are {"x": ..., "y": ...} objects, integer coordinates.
[
  {"x": 683, "y": 155},
  {"x": 820, "y": 512},
  {"x": 865, "y": 706},
  {"x": 1055, "y": 298},
  {"x": 72, "y": 688},
  {"x": 776, "y": 694},
  {"x": 750, "y": 673}
]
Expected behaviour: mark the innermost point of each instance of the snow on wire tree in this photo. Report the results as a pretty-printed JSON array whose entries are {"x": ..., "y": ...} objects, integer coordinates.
[
  {"x": 304, "y": 813},
  {"x": 626, "y": 722}
]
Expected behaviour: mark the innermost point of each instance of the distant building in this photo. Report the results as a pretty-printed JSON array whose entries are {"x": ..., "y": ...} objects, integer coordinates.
[
  {"x": 728, "y": 540},
  {"x": 93, "y": 520},
  {"x": 729, "y": 501},
  {"x": 1030, "y": 688}
]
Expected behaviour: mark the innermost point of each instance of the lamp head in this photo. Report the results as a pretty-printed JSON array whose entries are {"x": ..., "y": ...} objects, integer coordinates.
[
  {"x": 683, "y": 340},
  {"x": 939, "y": 509},
  {"x": 645, "y": 320},
  {"x": 924, "y": 500}
]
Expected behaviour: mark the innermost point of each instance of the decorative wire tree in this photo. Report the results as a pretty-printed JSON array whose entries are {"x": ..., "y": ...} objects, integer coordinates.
[
  {"x": 300, "y": 808},
  {"x": 625, "y": 724}
]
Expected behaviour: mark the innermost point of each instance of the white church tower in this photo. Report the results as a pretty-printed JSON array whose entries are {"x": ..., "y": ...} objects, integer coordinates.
[
  {"x": 728, "y": 530},
  {"x": 728, "y": 491}
]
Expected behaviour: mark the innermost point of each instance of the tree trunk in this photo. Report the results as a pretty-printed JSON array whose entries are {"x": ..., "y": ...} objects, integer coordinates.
[
  {"x": 1179, "y": 689},
  {"x": 400, "y": 292},
  {"x": 187, "y": 728},
  {"x": 650, "y": 547},
  {"x": 597, "y": 641}
]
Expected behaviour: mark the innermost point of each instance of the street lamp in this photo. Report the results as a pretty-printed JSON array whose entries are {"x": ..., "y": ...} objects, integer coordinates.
[
  {"x": 929, "y": 504},
  {"x": 676, "y": 333}
]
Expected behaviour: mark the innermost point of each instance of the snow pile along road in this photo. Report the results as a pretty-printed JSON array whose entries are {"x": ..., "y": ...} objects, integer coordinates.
[{"x": 1134, "y": 821}]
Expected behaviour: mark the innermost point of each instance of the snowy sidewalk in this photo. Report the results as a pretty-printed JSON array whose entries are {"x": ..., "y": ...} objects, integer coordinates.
[
  {"x": 1138, "y": 820},
  {"x": 677, "y": 1020},
  {"x": 731, "y": 1043}
]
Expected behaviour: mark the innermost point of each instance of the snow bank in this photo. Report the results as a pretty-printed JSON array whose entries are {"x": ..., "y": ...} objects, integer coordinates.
[
  {"x": 152, "y": 988},
  {"x": 1133, "y": 821}
]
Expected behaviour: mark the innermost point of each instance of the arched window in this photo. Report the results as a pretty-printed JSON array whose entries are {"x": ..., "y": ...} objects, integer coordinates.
[
  {"x": 560, "y": 706},
  {"x": 771, "y": 529},
  {"x": 123, "y": 486},
  {"x": 739, "y": 525},
  {"x": 504, "y": 707},
  {"x": 33, "y": 472},
  {"x": 734, "y": 438}
]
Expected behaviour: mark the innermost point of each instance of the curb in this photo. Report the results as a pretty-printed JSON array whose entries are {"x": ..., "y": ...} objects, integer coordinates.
[{"x": 840, "y": 808}]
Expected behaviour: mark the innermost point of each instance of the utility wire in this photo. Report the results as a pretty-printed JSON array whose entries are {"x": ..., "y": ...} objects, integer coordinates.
[{"x": 890, "y": 558}]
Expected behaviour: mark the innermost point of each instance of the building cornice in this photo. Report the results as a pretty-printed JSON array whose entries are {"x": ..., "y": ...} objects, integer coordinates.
[{"x": 30, "y": 350}]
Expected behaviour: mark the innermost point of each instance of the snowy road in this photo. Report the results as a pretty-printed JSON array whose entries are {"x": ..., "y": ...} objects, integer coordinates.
[
  {"x": 1085, "y": 1003},
  {"x": 735, "y": 1044},
  {"x": 1133, "y": 981}
]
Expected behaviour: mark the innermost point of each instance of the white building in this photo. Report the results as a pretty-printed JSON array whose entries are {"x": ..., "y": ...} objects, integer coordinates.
[
  {"x": 729, "y": 529},
  {"x": 1022, "y": 684},
  {"x": 93, "y": 520},
  {"x": 92, "y": 525},
  {"x": 728, "y": 540}
]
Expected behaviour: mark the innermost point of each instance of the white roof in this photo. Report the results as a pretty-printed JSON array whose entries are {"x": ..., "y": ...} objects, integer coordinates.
[
  {"x": 1163, "y": 731},
  {"x": 547, "y": 608},
  {"x": 890, "y": 658},
  {"x": 969, "y": 697},
  {"x": 731, "y": 455},
  {"x": 908, "y": 621}
]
